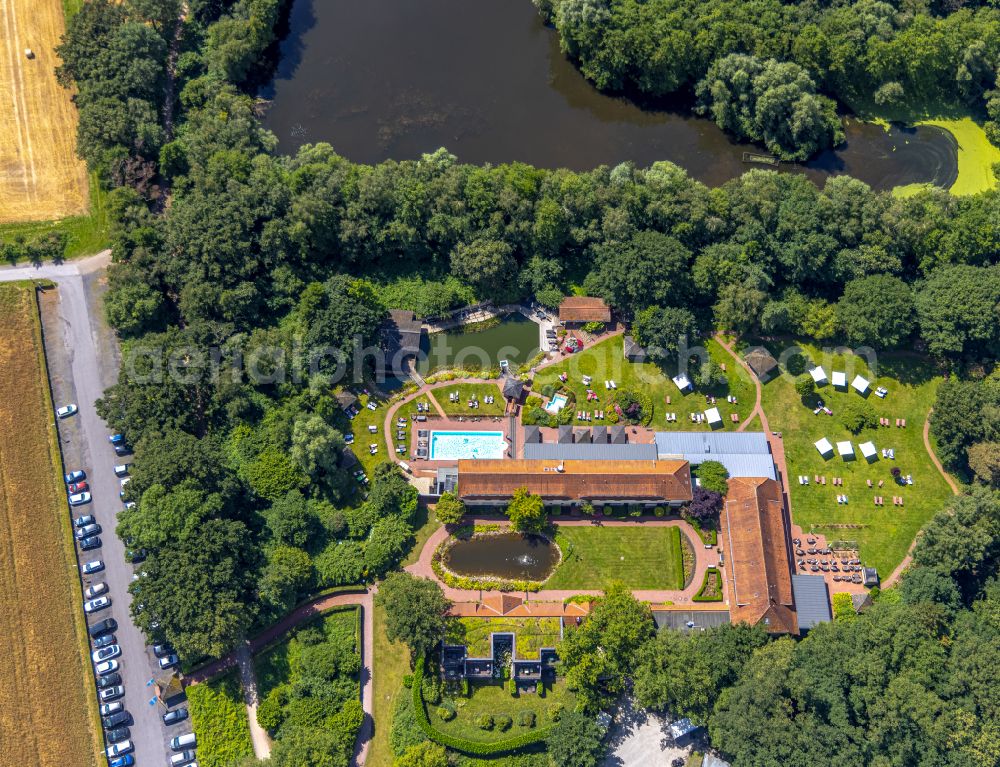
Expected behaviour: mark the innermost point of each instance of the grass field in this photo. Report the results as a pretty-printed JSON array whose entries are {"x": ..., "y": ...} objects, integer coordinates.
[
  {"x": 391, "y": 663},
  {"x": 495, "y": 700},
  {"x": 43, "y": 648},
  {"x": 531, "y": 634},
  {"x": 642, "y": 557},
  {"x": 41, "y": 178},
  {"x": 885, "y": 533},
  {"x": 606, "y": 361},
  {"x": 467, "y": 390},
  {"x": 219, "y": 719}
]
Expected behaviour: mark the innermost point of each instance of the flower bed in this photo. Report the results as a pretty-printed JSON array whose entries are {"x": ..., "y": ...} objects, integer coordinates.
[{"x": 711, "y": 587}]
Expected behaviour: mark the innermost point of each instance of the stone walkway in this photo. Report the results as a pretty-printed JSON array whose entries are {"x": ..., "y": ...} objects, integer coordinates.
[{"x": 704, "y": 558}]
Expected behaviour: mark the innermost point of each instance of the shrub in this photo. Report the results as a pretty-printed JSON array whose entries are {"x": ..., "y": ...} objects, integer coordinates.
[
  {"x": 503, "y": 722},
  {"x": 805, "y": 385},
  {"x": 548, "y": 390},
  {"x": 512, "y": 687},
  {"x": 607, "y": 511},
  {"x": 484, "y": 722},
  {"x": 856, "y": 414},
  {"x": 593, "y": 327},
  {"x": 659, "y": 512},
  {"x": 555, "y": 713},
  {"x": 446, "y": 714},
  {"x": 541, "y": 694},
  {"x": 796, "y": 365},
  {"x": 465, "y": 688},
  {"x": 713, "y": 476},
  {"x": 407, "y": 680},
  {"x": 527, "y": 718},
  {"x": 711, "y": 587},
  {"x": 432, "y": 690},
  {"x": 843, "y": 607},
  {"x": 223, "y": 730}
]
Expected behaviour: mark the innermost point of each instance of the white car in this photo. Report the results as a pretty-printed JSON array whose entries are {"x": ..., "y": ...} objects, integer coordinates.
[
  {"x": 94, "y": 591},
  {"x": 79, "y": 499},
  {"x": 121, "y": 470},
  {"x": 107, "y": 667},
  {"x": 93, "y": 566},
  {"x": 119, "y": 748},
  {"x": 111, "y": 693},
  {"x": 107, "y": 709},
  {"x": 168, "y": 661},
  {"x": 66, "y": 410},
  {"x": 96, "y": 604},
  {"x": 106, "y": 653}
]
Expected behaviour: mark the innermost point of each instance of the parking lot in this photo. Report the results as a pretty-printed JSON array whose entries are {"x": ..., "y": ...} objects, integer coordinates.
[{"x": 82, "y": 360}]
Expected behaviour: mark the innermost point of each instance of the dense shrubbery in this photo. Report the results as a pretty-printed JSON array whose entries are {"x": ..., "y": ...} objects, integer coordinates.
[{"x": 219, "y": 719}]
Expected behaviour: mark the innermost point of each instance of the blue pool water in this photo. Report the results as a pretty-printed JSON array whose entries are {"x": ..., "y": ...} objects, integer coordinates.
[
  {"x": 453, "y": 445},
  {"x": 557, "y": 403}
]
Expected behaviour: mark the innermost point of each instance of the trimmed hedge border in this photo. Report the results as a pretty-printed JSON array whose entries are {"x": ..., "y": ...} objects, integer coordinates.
[
  {"x": 699, "y": 597},
  {"x": 471, "y": 747}
]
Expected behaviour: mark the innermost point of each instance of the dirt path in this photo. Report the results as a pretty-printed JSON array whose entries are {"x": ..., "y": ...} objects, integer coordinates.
[
  {"x": 758, "y": 410},
  {"x": 258, "y": 735},
  {"x": 704, "y": 558},
  {"x": 893, "y": 579},
  {"x": 302, "y": 614}
]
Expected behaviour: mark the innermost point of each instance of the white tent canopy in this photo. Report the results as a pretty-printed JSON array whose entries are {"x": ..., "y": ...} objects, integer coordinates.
[
  {"x": 824, "y": 447},
  {"x": 712, "y": 414},
  {"x": 860, "y": 383},
  {"x": 818, "y": 375},
  {"x": 682, "y": 382},
  {"x": 868, "y": 450},
  {"x": 845, "y": 449},
  {"x": 840, "y": 379}
]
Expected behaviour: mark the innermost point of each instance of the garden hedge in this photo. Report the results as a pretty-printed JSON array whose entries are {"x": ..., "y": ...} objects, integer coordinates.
[
  {"x": 471, "y": 747},
  {"x": 700, "y": 596}
]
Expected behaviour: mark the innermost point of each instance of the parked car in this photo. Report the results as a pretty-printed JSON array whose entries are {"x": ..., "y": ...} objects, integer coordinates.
[
  {"x": 78, "y": 487},
  {"x": 121, "y": 470},
  {"x": 93, "y": 605},
  {"x": 122, "y": 761},
  {"x": 118, "y": 718},
  {"x": 135, "y": 556},
  {"x": 185, "y": 757},
  {"x": 116, "y": 439},
  {"x": 159, "y": 650},
  {"x": 169, "y": 661},
  {"x": 93, "y": 566},
  {"x": 122, "y": 449},
  {"x": 175, "y": 716},
  {"x": 107, "y": 667},
  {"x": 111, "y": 680},
  {"x": 66, "y": 410},
  {"x": 85, "y": 520},
  {"x": 90, "y": 543},
  {"x": 181, "y": 742},
  {"x": 104, "y": 641},
  {"x": 111, "y": 693},
  {"x": 119, "y": 748},
  {"x": 95, "y": 590},
  {"x": 118, "y": 734},
  {"x": 105, "y": 653},
  {"x": 129, "y": 504},
  {"x": 87, "y": 531},
  {"x": 106, "y": 626},
  {"x": 75, "y": 476},
  {"x": 109, "y": 709},
  {"x": 79, "y": 499}
]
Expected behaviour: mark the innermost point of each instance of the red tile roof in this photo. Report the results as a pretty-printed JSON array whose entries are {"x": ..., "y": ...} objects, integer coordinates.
[{"x": 584, "y": 309}]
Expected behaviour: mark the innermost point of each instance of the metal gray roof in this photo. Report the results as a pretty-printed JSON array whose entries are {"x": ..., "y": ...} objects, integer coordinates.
[
  {"x": 738, "y": 465},
  {"x": 812, "y": 600},
  {"x": 678, "y": 619},
  {"x": 681, "y": 442},
  {"x": 552, "y": 451}
]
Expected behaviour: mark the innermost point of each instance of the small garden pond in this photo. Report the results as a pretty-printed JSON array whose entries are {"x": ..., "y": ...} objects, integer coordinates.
[
  {"x": 515, "y": 338},
  {"x": 511, "y": 556}
]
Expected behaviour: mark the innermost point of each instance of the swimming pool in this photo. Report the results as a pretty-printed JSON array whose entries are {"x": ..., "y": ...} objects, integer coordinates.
[
  {"x": 453, "y": 445},
  {"x": 557, "y": 403}
]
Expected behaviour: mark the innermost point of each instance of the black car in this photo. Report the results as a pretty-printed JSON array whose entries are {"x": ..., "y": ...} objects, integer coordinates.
[
  {"x": 160, "y": 650},
  {"x": 93, "y": 542},
  {"x": 109, "y": 681},
  {"x": 115, "y": 720},
  {"x": 104, "y": 641},
  {"x": 135, "y": 556},
  {"x": 175, "y": 716},
  {"x": 116, "y": 736},
  {"x": 105, "y": 626}
]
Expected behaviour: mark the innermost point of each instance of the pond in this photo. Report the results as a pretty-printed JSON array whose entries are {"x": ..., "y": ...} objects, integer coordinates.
[
  {"x": 510, "y": 556},
  {"x": 515, "y": 338},
  {"x": 392, "y": 79}
]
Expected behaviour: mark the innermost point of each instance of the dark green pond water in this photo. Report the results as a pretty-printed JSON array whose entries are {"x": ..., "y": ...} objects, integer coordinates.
[
  {"x": 514, "y": 339},
  {"x": 510, "y": 555},
  {"x": 392, "y": 79}
]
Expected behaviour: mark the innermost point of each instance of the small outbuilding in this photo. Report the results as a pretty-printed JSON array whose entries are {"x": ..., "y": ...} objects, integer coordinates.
[
  {"x": 868, "y": 451},
  {"x": 682, "y": 382},
  {"x": 824, "y": 447},
  {"x": 713, "y": 417},
  {"x": 860, "y": 385},
  {"x": 819, "y": 376},
  {"x": 682, "y": 728},
  {"x": 845, "y": 449},
  {"x": 633, "y": 351},
  {"x": 839, "y": 379},
  {"x": 347, "y": 401},
  {"x": 513, "y": 388},
  {"x": 869, "y": 577},
  {"x": 578, "y": 310},
  {"x": 762, "y": 362}
]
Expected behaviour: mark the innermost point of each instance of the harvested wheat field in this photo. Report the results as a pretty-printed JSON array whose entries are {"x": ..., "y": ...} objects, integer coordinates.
[
  {"x": 41, "y": 178},
  {"x": 47, "y": 704}
]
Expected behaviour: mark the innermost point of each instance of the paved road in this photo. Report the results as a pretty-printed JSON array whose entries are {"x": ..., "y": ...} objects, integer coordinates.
[{"x": 84, "y": 439}]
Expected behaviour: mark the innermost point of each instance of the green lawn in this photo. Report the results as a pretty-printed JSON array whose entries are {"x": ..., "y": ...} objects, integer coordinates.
[
  {"x": 642, "y": 557},
  {"x": 219, "y": 719},
  {"x": 85, "y": 235},
  {"x": 606, "y": 361},
  {"x": 495, "y": 700},
  {"x": 885, "y": 533},
  {"x": 465, "y": 392},
  {"x": 358, "y": 426},
  {"x": 531, "y": 634},
  {"x": 391, "y": 664}
]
